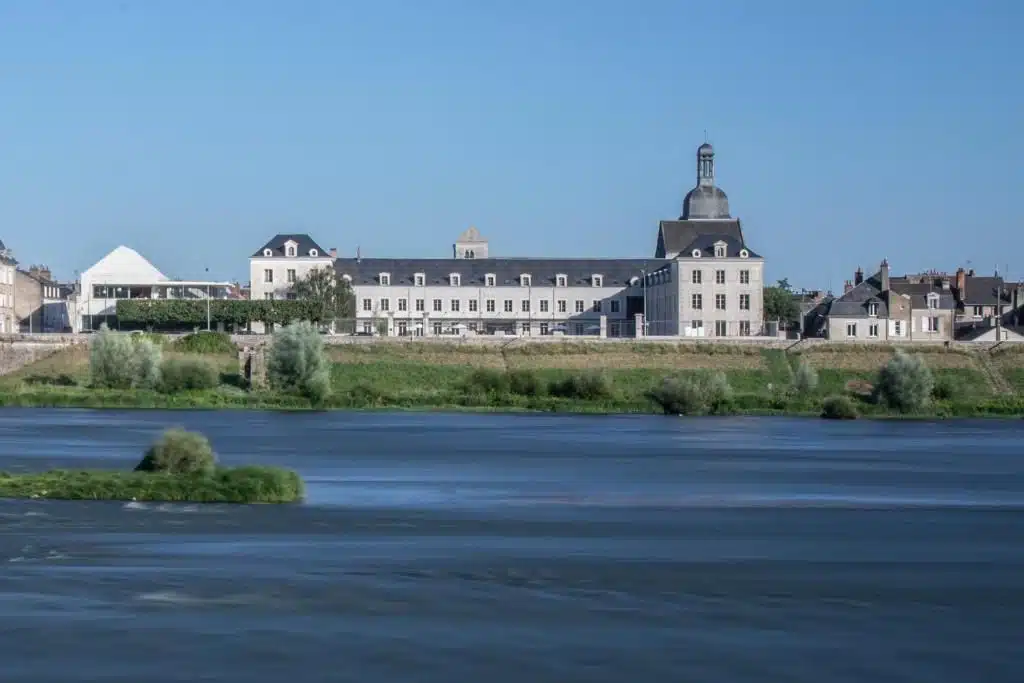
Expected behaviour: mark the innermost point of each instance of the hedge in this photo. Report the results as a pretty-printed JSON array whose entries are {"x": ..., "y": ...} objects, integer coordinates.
[{"x": 227, "y": 311}]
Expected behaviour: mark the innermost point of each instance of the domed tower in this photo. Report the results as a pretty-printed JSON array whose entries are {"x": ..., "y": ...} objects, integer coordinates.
[{"x": 705, "y": 201}]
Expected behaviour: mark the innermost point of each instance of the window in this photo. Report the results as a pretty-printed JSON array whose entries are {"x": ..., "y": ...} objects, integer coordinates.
[
  {"x": 420, "y": 307},
  {"x": 873, "y": 309},
  {"x": 873, "y": 330},
  {"x": 719, "y": 302},
  {"x": 384, "y": 279},
  {"x": 314, "y": 253},
  {"x": 697, "y": 325},
  {"x": 544, "y": 303},
  {"x": 455, "y": 280},
  {"x": 438, "y": 329},
  {"x": 525, "y": 305},
  {"x": 695, "y": 277},
  {"x": 579, "y": 305},
  {"x": 544, "y": 329},
  {"x": 267, "y": 252},
  {"x": 744, "y": 328},
  {"x": 367, "y": 304},
  {"x": 720, "y": 328},
  {"x": 525, "y": 328},
  {"x": 720, "y": 251},
  {"x": 979, "y": 311},
  {"x": 508, "y": 305},
  {"x": 470, "y": 253},
  {"x": 437, "y": 305},
  {"x": 291, "y": 250},
  {"x": 561, "y": 280},
  {"x": 419, "y": 279},
  {"x": 490, "y": 305},
  {"x": 695, "y": 253},
  {"x": 489, "y": 279},
  {"x": 719, "y": 277},
  {"x": 562, "y": 305},
  {"x": 474, "y": 305},
  {"x": 403, "y": 304},
  {"x": 385, "y": 304},
  {"x": 851, "y": 329},
  {"x": 744, "y": 253},
  {"x": 597, "y": 306},
  {"x": 933, "y": 324},
  {"x": 897, "y": 328},
  {"x": 268, "y": 275},
  {"x": 403, "y": 328},
  {"x": 597, "y": 280},
  {"x": 367, "y": 328},
  {"x": 933, "y": 301},
  {"x": 455, "y": 305},
  {"x": 744, "y": 302},
  {"x": 269, "y": 296},
  {"x": 696, "y": 301},
  {"x": 744, "y": 277},
  {"x": 291, "y": 275},
  {"x": 614, "y": 306},
  {"x": 525, "y": 280}
]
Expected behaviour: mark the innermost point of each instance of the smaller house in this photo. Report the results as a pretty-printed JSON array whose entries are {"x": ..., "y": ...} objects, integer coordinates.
[
  {"x": 886, "y": 308},
  {"x": 8, "y": 265},
  {"x": 985, "y": 303}
]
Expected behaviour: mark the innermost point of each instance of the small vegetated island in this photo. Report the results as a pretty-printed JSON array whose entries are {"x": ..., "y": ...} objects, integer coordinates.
[
  {"x": 831, "y": 380},
  {"x": 180, "y": 467}
]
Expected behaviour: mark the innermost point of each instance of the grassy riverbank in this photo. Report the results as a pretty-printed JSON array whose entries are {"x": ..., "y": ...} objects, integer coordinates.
[{"x": 553, "y": 378}]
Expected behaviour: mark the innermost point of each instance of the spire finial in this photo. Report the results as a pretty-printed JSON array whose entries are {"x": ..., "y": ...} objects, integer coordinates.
[{"x": 705, "y": 135}]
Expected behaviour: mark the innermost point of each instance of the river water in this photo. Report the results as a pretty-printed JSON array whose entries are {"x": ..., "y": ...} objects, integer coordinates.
[{"x": 533, "y": 549}]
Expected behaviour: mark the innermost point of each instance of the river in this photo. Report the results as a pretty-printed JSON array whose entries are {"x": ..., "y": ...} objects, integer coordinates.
[{"x": 534, "y": 549}]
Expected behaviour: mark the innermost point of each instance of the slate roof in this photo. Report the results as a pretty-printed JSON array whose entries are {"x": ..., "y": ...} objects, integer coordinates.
[
  {"x": 705, "y": 201},
  {"x": 276, "y": 245},
  {"x": 542, "y": 271},
  {"x": 981, "y": 291},
  {"x": 683, "y": 236},
  {"x": 854, "y": 304},
  {"x": 918, "y": 293}
]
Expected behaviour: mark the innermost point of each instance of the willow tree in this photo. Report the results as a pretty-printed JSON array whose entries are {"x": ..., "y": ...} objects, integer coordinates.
[{"x": 330, "y": 294}]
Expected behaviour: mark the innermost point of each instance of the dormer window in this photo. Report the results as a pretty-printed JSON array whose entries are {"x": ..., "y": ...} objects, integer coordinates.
[
  {"x": 489, "y": 279},
  {"x": 597, "y": 280},
  {"x": 719, "y": 249},
  {"x": 268, "y": 253},
  {"x": 933, "y": 301},
  {"x": 314, "y": 253},
  {"x": 384, "y": 279},
  {"x": 455, "y": 279},
  {"x": 346, "y": 277},
  {"x": 525, "y": 280},
  {"x": 561, "y": 280},
  {"x": 419, "y": 279},
  {"x": 696, "y": 253},
  {"x": 290, "y": 248},
  {"x": 744, "y": 253},
  {"x": 873, "y": 309}
]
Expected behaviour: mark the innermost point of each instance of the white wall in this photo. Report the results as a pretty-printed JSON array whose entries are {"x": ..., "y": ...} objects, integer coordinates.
[{"x": 282, "y": 271}]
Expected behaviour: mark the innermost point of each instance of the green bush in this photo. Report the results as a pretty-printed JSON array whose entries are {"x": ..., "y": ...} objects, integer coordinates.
[
  {"x": 205, "y": 342},
  {"x": 179, "y": 452},
  {"x": 944, "y": 389},
  {"x": 119, "y": 361},
  {"x": 839, "y": 408},
  {"x": 297, "y": 362},
  {"x": 187, "y": 374},
  {"x": 696, "y": 394},
  {"x": 526, "y": 383},
  {"x": 583, "y": 386},
  {"x": 905, "y": 383},
  {"x": 487, "y": 380},
  {"x": 805, "y": 379}
]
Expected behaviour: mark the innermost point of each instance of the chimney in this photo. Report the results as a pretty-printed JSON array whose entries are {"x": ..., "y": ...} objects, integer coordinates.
[
  {"x": 884, "y": 274},
  {"x": 945, "y": 284},
  {"x": 847, "y": 286},
  {"x": 961, "y": 282},
  {"x": 334, "y": 252},
  {"x": 858, "y": 277}
]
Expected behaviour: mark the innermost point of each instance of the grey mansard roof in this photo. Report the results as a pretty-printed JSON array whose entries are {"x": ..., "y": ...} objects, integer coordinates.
[
  {"x": 276, "y": 245},
  {"x": 854, "y": 304},
  {"x": 683, "y": 236},
  {"x": 542, "y": 271}
]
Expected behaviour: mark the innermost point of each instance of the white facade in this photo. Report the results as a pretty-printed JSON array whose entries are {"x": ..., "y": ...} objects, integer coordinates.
[
  {"x": 125, "y": 274},
  {"x": 8, "y": 322},
  {"x": 707, "y": 296},
  {"x": 274, "y": 269}
]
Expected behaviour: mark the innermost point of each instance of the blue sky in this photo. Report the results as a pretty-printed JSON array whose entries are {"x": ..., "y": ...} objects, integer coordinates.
[{"x": 192, "y": 131}]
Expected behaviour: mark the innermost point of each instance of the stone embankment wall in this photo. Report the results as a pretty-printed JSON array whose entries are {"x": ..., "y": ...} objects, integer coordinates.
[{"x": 17, "y": 351}]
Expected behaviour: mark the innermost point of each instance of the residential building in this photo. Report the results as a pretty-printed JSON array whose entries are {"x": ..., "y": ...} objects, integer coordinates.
[
  {"x": 8, "y": 266},
  {"x": 276, "y": 266},
  {"x": 886, "y": 308},
  {"x": 701, "y": 259},
  {"x": 126, "y": 274}
]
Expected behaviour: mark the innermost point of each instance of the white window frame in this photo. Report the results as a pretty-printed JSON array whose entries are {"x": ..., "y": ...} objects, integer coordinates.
[
  {"x": 454, "y": 280},
  {"x": 419, "y": 279},
  {"x": 597, "y": 280},
  {"x": 525, "y": 280},
  {"x": 384, "y": 279},
  {"x": 561, "y": 280},
  {"x": 851, "y": 326},
  {"x": 490, "y": 280}
]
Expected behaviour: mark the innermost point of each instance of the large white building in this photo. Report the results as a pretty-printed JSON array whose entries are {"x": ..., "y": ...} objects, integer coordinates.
[
  {"x": 125, "y": 274},
  {"x": 702, "y": 281}
]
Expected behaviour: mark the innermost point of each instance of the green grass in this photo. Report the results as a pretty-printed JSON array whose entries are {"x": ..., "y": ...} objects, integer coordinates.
[{"x": 226, "y": 485}]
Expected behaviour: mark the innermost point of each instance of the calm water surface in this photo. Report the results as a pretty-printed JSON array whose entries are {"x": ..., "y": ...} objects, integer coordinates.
[{"x": 528, "y": 549}]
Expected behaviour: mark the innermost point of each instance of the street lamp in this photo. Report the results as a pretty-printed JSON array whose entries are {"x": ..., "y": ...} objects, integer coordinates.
[{"x": 207, "y": 299}]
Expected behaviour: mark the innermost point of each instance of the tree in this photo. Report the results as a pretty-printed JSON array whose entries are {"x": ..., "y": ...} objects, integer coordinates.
[
  {"x": 780, "y": 303},
  {"x": 331, "y": 296}
]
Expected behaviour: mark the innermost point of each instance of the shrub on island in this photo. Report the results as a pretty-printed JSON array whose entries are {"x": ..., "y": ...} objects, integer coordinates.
[
  {"x": 180, "y": 468},
  {"x": 839, "y": 408}
]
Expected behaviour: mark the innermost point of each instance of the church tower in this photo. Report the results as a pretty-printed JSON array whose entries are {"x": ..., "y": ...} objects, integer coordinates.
[{"x": 470, "y": 245}]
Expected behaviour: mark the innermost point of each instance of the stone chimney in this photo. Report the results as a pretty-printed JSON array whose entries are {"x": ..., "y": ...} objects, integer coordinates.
[
  {"x": 334, "y": 252},
  {"x": 961, "y": 282},
  {"x": 883, "y": 271},
  {"x": 847, "y": 286},
  {"x": 858, "y": 277}
]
